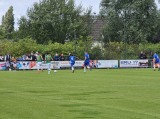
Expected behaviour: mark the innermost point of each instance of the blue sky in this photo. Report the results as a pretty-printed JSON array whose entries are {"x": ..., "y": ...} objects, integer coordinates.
[{"x": 20, "y": 6}]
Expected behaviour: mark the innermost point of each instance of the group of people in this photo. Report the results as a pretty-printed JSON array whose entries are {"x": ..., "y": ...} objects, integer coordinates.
[
  {"x": 48, "y": 59},
  {"x": 143, "y": 55},
  {"x": 154, "y": 57}
]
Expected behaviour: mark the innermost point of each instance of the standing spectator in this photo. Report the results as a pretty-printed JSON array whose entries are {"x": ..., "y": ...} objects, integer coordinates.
[
  {"x": 151, "y": 56},
  {"x": 56, "y": 58},
  {"x": 144, "y": 56},
  {"x": 24, "y": 57},
  {"x": 7, "y": 64},
  {"x": 1, "y": 58},
  {"x": 20, "y": 58},
  {"x": 36, "y": 54},
  {"x": 62, "y": 58},
  {"x": 32, "y": 54},
  {"x": 141, "y": 55},
  {"x": 29, "y": 57},
  {"x": 8, "y": 57},
  {"x": 68, "y": 57},
  {"x": 34, "y": 57}
]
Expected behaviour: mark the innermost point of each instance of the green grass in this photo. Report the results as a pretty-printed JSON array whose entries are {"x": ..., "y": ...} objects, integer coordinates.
[{"x": 98, "y": 94}]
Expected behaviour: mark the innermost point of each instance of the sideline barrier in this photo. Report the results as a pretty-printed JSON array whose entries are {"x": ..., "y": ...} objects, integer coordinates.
[
  {"x": 64, "y": 64},
  {"x": 133, "y": 63},
  {"x": 79, "y": 64}
]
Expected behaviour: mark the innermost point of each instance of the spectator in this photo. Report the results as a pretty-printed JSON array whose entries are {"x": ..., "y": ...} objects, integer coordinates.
[
  {"x": 15, "y": 58},
  {"x": 24, "y": 57},
  {"x": 12, "y": 59},
  {"x": 32, "y": 54},
  {"x": 36, "y": 54},
  {"x": 7, "y": 64},
  {"x": 62, "y": 58},
  {"x": 56, "y": 58},
  {"x": 15, "y": 64},
  {"x": 151, "y": 56},
  {"x": 68, "y": 57},
  {"x": 1, "y": 58},
  {"x": 8, "y": 57},
  {"x": 141, "y": 55},
  {"x": 34, "y": 57},
  {"x": 29, "y": 57},
  {"x": 20, "y": 58},
  {"x": 144, "y": 56}
]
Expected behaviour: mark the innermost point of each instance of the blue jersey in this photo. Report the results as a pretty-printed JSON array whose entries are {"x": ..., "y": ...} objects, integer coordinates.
[
  {"x": 87, "y": 57},
  {"x": 72, "y": 59},
  {"x": 156, "y": 57}
]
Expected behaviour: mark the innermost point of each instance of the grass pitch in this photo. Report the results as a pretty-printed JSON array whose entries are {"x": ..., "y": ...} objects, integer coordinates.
[{"x": 98, "y": 94}]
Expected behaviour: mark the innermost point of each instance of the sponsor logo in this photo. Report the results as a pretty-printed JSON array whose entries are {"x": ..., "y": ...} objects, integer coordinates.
[
  {"x": 3, "y": 64},
  {"x": 25, "y": 64},
  {"x": 129, "y": 62},
  {"x": 64, "y": 62},
  {"x": 32, "y": 64}
]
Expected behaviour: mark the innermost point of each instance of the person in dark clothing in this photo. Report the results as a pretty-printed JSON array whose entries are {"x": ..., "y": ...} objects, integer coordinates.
[
  {"x": 34, "y": 57},
  {"x": 68, "y": 57},
  {"x": 8, "y": 57},
  {"x": 62, "y": 58},
  {"x": 151, "y": 56},
  {"x": 141, "y": 55},
  {"x": 144, "y": 56},
  {"x": 56, "y": 58},
  {"x": 29, "y": 57}
]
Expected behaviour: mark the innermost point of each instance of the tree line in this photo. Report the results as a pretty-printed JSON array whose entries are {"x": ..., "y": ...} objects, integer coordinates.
[{"x": 55, "y": 21}]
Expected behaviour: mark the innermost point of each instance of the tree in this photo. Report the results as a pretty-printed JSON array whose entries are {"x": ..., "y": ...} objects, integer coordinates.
[
  {"x": 53, "y": 20},
  {"x": 137, "y": 31},
  {"x": 8, "y": 21}
]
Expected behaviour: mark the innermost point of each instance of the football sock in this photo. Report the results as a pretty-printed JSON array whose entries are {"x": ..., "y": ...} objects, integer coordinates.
[
  {"x": 38, "y": 68},
  {"x": 84, "y": 69},
  {"x": 154, "y": 67},
  {"x": 158, "y": 66},
  {"x": 72, "y": 68},
  {"x": 48, "y": 71}
]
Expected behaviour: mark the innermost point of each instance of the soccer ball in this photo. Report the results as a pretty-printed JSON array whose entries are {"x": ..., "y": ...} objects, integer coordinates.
[{"x": 55, "y": 71}]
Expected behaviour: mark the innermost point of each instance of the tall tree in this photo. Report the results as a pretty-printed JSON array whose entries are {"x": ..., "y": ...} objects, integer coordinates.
[
  {"x": 53, "y": 20},
  {"x": 137, "y": 31},
  {"x": 8, "y": 22}
]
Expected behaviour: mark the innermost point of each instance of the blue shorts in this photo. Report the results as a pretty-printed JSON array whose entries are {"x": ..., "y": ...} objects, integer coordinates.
[
  {"x": 86, "y": 63},
  {"x": 156, "y": 62},
  {"x": 72, "y": 64}
]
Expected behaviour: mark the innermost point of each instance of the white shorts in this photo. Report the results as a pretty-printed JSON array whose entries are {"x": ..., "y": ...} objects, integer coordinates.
[
  {"x": 39, "y": 64},
  {"x": 48, "y": 65}
]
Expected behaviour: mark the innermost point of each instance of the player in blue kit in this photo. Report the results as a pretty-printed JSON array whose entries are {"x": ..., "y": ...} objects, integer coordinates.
[
  {"x": 72, "y": 61},
  {"x": 86, "y": 61},
  {"x": 156, "y": 58}
]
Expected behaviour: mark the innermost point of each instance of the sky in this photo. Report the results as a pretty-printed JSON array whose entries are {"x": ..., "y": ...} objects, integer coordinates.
[{"x": 20, "y": 7}]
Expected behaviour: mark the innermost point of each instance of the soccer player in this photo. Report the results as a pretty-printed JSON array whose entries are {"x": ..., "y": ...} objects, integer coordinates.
[
  {"x": 39, "y": 59},
  {"x": 72, "y": 61},
  {"x": 86, "y": 61},
  {"x": 48, "y": 59},
  {"x": 156, "y": 58}
]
